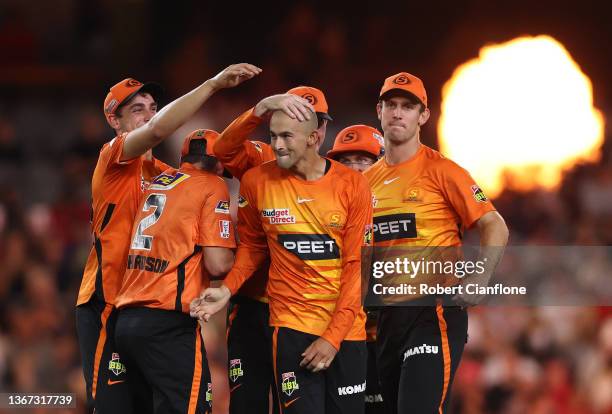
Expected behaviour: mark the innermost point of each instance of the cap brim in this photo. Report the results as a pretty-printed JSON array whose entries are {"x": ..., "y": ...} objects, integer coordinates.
[
  {"x": 399, "y": 92},
  {"x": 324, "y": 116},
  {"x": 152, "y": 88}
]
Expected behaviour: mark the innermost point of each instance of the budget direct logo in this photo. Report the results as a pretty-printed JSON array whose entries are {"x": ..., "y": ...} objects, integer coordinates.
[
  {"x": 289, "y": 384},
  {"x": 310, "y": 246},
  {"x": 278, "y": 215}
]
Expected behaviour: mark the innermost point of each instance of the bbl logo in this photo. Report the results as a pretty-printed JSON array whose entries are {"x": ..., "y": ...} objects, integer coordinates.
[
  {"x": 479, "y": 195},
  {"x": 209, "y": 392},
  {"x": 310, "y": 98},
  {"x": 115, "y": 365},
  {"x": 235, "y": 369},
  {"x": 368, "y": 235},
  {"x": 289, "y": 383},
  {"x": 402, "y": 80}
]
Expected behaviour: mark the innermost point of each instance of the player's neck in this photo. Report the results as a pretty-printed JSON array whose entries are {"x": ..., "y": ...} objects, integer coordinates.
[
  {"x": 309, "y": 168},
  {"x": 398, "y": 152}
]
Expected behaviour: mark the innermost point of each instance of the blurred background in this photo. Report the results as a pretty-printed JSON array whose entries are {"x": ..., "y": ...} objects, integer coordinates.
[{"x": 58, "y": 58}]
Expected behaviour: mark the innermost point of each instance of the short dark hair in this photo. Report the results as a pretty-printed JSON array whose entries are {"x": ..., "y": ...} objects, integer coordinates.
[
  {"x": 197, "y": 154},
  {"x": 320, "y": 119}
]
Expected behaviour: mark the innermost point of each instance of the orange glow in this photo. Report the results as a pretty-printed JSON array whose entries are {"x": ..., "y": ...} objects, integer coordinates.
[{"x": 519, "y": 115}]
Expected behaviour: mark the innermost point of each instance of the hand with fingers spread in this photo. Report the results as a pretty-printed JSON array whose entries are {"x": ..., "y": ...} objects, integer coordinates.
[
  {"x": 293, "y": 106},
  {"x": 211, "y": 301},
  {"x": 234, "y": 75},
  {"x": 319, "y": 355}
]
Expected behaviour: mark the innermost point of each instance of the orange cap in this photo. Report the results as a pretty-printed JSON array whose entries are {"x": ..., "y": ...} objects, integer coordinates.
[
  {"x": 315, "y": 97},
  {"x": 207, "y": 135},
  {"x": 126, "y": 90},
  {"x": 356, "y": 138},
  {"x": 406, "y": 82}
]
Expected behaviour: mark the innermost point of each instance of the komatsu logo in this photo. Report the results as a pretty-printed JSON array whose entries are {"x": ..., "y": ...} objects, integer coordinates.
[
  {"x": 352, "y": 389},
  {"x": 423, "y": 349}
]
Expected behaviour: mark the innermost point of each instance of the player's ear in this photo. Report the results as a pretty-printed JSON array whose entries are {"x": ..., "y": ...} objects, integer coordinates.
[
  {"x": 379, "y": 110},
  {"x": 313, "y": 138},
  {"x": 424, "y": 117},
  {"x": 113, "y": 120}
]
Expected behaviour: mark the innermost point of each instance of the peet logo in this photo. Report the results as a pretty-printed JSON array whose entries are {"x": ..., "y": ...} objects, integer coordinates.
[
  {"x": 278, "y": 215},
  {"x": 310, "y": 246},
  {"x": 352, "y": 389},
  {"x": 423, "y": 349},
  {"x": 395, "y": 226}
]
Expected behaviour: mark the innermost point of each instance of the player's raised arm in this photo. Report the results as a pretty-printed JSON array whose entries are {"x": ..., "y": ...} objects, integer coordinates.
[
  {"x": 175, "y": 114},
  {"x": 238, "y": 154}
]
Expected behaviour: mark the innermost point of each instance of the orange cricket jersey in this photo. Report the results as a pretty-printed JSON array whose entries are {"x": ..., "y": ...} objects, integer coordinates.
[
  {"x": 314, "y": 231},
  {"x": 182, "y": 212},
  {"x": 426, "y": 201},
  {"x": 238, "y": 155},
  {"x": 116, "y": 187}
]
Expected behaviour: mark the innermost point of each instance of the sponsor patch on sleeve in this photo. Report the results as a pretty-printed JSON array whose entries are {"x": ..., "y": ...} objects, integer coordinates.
[
  {"x": 223, "y": 207},
  {"x": 224, "y": 229},
  {"x": 242, "y": 202},
  {"x": 367, "y": 235},
  {"x": 479, "y": 195}
]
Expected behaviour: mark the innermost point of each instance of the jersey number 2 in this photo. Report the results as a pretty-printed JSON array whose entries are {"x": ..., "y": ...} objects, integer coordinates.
[{"x": 141, "y": 241}]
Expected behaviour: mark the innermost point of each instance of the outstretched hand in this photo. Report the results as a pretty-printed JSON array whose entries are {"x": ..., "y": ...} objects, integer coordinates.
[{"x": 234, "y": 75}]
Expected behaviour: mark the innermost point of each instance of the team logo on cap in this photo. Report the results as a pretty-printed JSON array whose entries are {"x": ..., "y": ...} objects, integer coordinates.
[
  {"x": 132, "y": 83},
  {"x": 402, "y": 80},
  {"x": 350, "y": 136},
  {"x": 310, "y": 98}
]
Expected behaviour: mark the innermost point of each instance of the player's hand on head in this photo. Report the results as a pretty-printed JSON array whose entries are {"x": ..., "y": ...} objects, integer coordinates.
[
  {"x": 293, "y": 106},
  {"x": 319, "y": 355},
  {"x": 234, "y": 75}
]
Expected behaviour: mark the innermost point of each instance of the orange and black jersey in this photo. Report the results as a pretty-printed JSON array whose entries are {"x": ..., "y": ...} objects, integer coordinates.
[
  {"x": 116, "y": 189},
  {"x": 314, "y": 232},
  {"x": 182, "y": 212},
  {"x": 426, "y": 201},
  {"x": 239, "y": 155}
]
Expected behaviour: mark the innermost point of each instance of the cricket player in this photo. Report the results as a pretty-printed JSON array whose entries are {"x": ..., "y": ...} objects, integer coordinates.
[
  {"x": 251, "y": 375},
  {"x": 181, "y": 239},
  {"x": 419, "y": 347},
  {"x": 312, "y": 216},
  {"x": 118, "y": 183},
  {"x": 359, "y": 147}
]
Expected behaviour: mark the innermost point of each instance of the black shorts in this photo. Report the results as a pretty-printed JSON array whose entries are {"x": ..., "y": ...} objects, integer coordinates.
[
  {"x": 249, "y": 351},
  {"x": 418, "y": 352},
  {"x": 103, "y": 369},
  {"x": 338, "y": 389},
  {"x": 373, "y": 392},
  {"x": 166, "y": 361}
]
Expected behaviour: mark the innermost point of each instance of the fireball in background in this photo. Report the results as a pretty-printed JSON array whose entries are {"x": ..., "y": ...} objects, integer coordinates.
[{"x": 519, "y": 115}]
